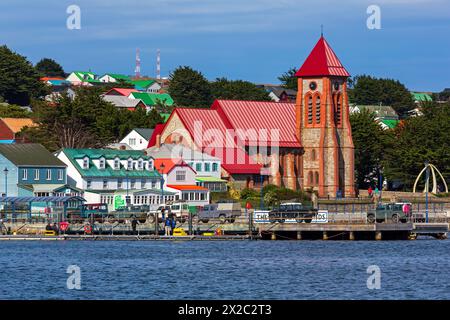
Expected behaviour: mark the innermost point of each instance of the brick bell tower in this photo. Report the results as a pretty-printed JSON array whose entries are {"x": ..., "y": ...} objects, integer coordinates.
[{"x": 323, "y": 125}]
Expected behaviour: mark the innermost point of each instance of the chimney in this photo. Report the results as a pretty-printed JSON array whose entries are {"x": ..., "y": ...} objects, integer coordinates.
[{"x": 158, "y": 141}]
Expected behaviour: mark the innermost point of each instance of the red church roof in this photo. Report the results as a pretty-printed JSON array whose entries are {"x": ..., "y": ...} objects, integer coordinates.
[
  {"x": 157, "y": 131},
  {"x": 322, "y": 61},
  {"x": 255, "y": 119}
]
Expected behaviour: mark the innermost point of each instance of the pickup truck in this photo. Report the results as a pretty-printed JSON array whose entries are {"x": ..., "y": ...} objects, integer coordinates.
[
  {"x": 225, "y": 212},
  {"x": 394, "y": 212},
  {"x": 297, "y": 211}
]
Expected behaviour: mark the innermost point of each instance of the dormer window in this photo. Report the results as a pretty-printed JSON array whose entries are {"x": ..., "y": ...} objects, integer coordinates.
[
  {"x": 102, "y": 163},
  {"x": 140, "y": 164},
  {"x": 116, "y": 164},
  {"x": 150, "y": 165},
  {"x": 130, "y": 164},
  {"x": 85, "y": 163}
]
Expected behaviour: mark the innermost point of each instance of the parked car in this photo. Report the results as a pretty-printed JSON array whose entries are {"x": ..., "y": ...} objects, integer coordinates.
[
  {"x": 179, "y": 209},
  {"x": 90, "y": 211},
  {"x": 224, "y": 211},
  {"x": 395, "y": 213},
  {"x": 128, "y": 213},
  {"x": 295, "y": 210}
]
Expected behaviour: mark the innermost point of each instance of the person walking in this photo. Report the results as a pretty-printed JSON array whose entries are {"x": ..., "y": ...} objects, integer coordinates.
[{"x": 173, "y": 225}]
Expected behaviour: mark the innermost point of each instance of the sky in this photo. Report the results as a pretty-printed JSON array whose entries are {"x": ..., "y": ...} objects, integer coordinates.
[{"x": 254, "y": 40}]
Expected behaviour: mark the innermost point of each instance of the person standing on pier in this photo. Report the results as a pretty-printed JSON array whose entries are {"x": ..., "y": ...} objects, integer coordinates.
[{"x": 168, "y": 226}]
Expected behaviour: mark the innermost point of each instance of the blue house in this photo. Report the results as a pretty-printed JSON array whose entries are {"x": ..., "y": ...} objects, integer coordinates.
[{"x": 31, "y": 170}]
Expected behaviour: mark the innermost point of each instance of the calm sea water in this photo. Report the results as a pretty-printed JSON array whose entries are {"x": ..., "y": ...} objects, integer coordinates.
[{"x": 225, "y": 270}]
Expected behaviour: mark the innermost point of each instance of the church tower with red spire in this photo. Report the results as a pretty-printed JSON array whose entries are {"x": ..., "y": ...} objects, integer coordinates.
[{"x": 323, "y": 124}]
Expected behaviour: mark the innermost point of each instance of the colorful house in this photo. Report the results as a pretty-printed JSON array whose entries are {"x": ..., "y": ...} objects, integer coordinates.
[
  {"x": 179, "y": 178},
  {"x": 11, "y": 127},
  {"x": 103, "y": 173},
  {"x": 207, "y": 168},
  {"x": 146, "y": 85},
  {"x": 138, "y": 138},
  {"x": 83, "y": 78},
  {"x": 120, "y": 92},
  {"x": 114, "y": 77},
  {"x": 419, "y": 97},
  {"x": 30, "y": 170},
  {"x": 125, "y": 103},
  {"x": 152, "y": 99}
]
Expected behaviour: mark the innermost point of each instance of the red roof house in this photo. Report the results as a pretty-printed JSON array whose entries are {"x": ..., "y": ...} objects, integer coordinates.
[{"x": 120, "y": 92}]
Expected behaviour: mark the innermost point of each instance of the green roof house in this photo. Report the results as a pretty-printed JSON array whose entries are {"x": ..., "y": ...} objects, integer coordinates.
[
  {"x": 83, "y": 78},
  {"x": 101, "y": 173},
  {"x": 151, "y": 99},
  {"x": 421, "y": 97},
  {"x": 115, "y": 77},
  {"x": 149, "y": 85}
]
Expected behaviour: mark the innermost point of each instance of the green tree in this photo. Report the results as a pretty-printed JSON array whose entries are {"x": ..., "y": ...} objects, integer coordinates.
[
  {"x": 289, "y": 80},
  {"x": 189, "y": 88},
  {"x": 50, "y": 68},
  {"x": 19, "y": 80},
  {"x": 13, "y": 111},
  {"x": 367, "y": 90},
  {"x": 420, "y": 139},
  {"x": 87, "y": 121},
  {"x": 370, "y": 142},
  {"x": 223, "y": 88}
]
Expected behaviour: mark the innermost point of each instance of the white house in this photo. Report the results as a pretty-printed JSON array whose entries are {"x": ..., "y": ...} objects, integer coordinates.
[
  {"x": 114, "y": 77},
  {"x": 82, "y": 78},
  {"x": 180, "y": 178},
  {"x": 104, "y": 174},
  {"x": 207, "y": 168},
  {"x": 138, "y": 138}
]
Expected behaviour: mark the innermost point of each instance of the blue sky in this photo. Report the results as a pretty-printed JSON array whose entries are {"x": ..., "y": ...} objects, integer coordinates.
[{"x": 254, "y": 40}]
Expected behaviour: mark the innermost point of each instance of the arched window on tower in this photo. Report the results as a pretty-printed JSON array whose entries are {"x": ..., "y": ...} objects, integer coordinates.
[
  {"x": 317, "y": 109},
  {"x": 310, "y": 178},
  {"x": 316, "y": 176},
  {"x": 309, "y": 101},
  {"x": 313, "y": 155},
  {"x": 337, "y": 101}
]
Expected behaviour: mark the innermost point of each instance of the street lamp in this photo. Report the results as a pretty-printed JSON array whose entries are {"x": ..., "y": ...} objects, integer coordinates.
[{"x": 6, "y": 181}]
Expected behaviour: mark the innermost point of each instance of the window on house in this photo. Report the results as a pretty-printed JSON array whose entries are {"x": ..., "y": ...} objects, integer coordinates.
[
  {"x": 36, "y": 174},
  {"x": 313, "y": 154},
  {"x": 316, "y": 175},
  {"x": 88, "y": 184},
  {"x": 130, "y": 164},
  {"x": 150, "y": 165},
  {"x": 105, "y": 184},
  {"x": 24, "y": 174},
  {"x": 85, "y": 163},
  {"x": 60, "y": 174},
  {"x": 202, "y": 196},
  {"x": 140, "y": 164},
  {"x": 119, "y": 183},
  {"x": 215, "y": 167},
  {"x": 102, "y": 163},
  {"x": 49, "y": 174},
  {"x": 310, "y": 178},
  {"x": 143, "y": 182},
  {"x": 132, "y": 141},
  {"x": 207, "y": 167},
  {"x": 181, "y": 175},
  {"x": 153, "y": 184},
  {"x": 198, "y": 167},
  {"x": 116, "y": 164},
  {"x": 132, "y": 184}
]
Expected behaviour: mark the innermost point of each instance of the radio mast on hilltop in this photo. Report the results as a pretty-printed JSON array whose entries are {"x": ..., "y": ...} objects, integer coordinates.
[
  {"x": 137, "y": 70},
  {"x": 158, "y": 64}
]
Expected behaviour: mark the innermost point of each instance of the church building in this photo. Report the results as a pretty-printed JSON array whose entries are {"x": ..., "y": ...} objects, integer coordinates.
[{"x": 302, "y": 145}]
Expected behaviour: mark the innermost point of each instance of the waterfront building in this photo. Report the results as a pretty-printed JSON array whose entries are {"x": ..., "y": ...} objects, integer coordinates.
[
  {"x": 305, "y": 145},
  {"x": 207, "y": 168},
  {"x": 31, "y": 170},
  {"x": 100, "y": 173},
  {"x": 180, "y": 178}
]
